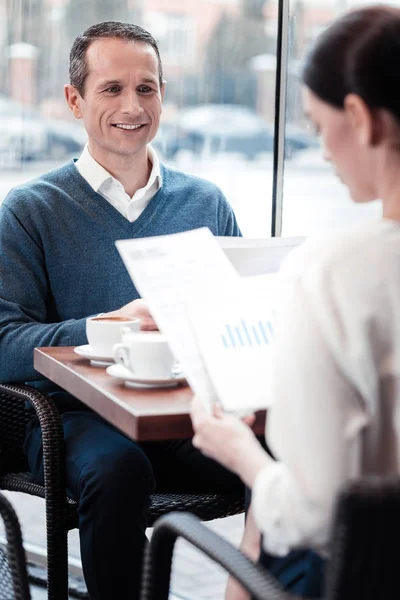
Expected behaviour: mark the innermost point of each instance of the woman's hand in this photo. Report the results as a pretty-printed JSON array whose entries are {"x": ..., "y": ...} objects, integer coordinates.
[{"x": 228, "y": 440}]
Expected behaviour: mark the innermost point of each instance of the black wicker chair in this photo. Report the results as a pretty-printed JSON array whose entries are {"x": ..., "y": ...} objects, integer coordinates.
[
  {"x": 364, "y": 563},
  {"x": 61, "y": 512},
  {"x": 13, "y": 574}
]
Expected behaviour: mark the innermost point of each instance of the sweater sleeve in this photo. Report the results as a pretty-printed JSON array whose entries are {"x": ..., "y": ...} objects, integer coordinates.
[
  {"x": 227, "y": 224},
  {"x": 313, "y": 429},
  {"x": 24, "y": 303}
]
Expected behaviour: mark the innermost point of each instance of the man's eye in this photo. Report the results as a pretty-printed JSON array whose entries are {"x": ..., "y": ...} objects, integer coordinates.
[
  {"x": 113, "y": 89},
  {"x": 144, "y": 89}
]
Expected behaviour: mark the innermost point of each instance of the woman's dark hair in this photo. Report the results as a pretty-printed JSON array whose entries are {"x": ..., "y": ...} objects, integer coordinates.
[
  {"x": 78, "y": 68},
  {"x": 359, "y": 53}
]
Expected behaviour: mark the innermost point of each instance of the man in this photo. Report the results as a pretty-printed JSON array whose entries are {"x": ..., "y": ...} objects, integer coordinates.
[{"x": 60, "y": 265}]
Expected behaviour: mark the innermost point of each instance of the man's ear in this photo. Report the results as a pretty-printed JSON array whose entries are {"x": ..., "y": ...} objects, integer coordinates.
[
  {"x": 164, "y": 83},
  {"x": 362, "y": 120},
  {"x": 73, "y": 99}
]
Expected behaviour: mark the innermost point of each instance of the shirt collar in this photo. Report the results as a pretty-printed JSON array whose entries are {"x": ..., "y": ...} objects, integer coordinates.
[
  {"x": 155, "y": 174},
  {"x": 96, "y": 175}
]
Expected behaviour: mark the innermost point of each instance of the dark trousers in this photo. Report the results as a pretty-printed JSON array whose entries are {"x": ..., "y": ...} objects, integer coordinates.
[
  {"x": 301, "y": 572},
  {"x": 111, "y": 477}
]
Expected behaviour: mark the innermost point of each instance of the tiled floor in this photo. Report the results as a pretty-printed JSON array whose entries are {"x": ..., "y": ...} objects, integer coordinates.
[
  {"x": 194, "y": 577},
  {"x": 40, "y": 594}
]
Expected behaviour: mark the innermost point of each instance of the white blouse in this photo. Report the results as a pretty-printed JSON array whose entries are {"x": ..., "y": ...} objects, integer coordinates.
[{"x": 335, "y": 394}]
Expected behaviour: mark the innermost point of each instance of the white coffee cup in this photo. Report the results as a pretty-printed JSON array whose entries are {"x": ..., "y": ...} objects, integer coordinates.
[
  {"x": 146, "y": 354},
  {"x": 104, "y": 332}
]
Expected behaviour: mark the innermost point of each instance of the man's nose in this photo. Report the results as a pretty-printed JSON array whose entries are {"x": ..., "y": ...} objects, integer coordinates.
[{"x": 131, "y": 102}]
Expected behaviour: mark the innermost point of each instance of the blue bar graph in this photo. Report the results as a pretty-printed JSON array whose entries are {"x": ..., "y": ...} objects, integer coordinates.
[
  {"x": 239, "y": 336},
  {"x": 247, "y": 334},
  {"x": 255, "y": 336},
  {"x": 231, "y": 336}
]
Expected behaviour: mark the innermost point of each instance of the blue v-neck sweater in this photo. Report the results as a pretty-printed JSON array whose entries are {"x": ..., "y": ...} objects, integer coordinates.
[{"x": 59, "y": 263}]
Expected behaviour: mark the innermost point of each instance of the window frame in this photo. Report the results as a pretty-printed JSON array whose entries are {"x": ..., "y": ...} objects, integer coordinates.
[{"x": 282, "y": 61}]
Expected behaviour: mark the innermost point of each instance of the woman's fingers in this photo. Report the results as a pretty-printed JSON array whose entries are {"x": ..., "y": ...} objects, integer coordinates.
[{"x": 198, "y": 413}]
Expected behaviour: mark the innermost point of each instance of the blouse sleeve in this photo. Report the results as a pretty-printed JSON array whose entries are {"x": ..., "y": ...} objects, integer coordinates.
[{"x": 313, "y": 430}]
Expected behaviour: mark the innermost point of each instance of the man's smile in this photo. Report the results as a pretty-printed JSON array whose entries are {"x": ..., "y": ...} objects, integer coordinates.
[{"x": 128, "y": 126}]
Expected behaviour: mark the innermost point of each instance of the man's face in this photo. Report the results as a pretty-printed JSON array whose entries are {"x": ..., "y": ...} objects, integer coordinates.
[{"x": 122, "y": 98}]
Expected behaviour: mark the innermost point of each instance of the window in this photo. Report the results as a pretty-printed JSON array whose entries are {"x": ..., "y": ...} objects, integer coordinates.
[
  {"x": 314, "y": 200},
  {"x": 218, "y": 117}
]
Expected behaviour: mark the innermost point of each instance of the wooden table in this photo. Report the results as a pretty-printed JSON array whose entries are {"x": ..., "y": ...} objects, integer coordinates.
[{"x": 154, "y": 414}]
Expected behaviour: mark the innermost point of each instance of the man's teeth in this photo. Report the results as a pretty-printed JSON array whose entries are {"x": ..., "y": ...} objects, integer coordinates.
[{"x": 122, "y": 126}]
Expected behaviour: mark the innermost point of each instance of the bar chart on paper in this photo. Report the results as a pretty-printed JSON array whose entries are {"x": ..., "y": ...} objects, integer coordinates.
[
  {"x": 245, "y": 333},
  {"x": 236, "y": 338}
]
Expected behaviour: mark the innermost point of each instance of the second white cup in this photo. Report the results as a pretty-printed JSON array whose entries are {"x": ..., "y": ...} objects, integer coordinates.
[{"x": 146, "y": 354}]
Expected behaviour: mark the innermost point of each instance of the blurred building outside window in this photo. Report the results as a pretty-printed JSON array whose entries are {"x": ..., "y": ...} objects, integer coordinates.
[
  {"x": 207, "y": 49},
  {"x": 175, "y": 34},
  {"x": 219, "y": 54}
]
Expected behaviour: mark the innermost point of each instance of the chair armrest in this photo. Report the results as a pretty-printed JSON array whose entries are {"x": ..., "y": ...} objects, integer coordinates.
[
  {"x": 158, "y": 559},
  {"x": 52, "y": 436}
]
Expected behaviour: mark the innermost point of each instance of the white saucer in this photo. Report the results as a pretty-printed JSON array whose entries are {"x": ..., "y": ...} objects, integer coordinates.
[
  {"x": 123, "y": 374},
  {"x": 95, "y": 359}
]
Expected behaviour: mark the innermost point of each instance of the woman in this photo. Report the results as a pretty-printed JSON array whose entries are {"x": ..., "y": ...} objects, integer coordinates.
[{"x": 336, "y": 398}]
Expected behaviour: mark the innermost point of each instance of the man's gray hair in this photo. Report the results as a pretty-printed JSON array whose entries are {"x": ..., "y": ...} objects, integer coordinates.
[{"x": 78, "y": 68}]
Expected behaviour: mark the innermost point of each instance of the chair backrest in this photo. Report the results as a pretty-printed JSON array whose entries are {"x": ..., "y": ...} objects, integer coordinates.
[
  {"x": 365, "y": 557},
  {"x": 13, "y": 572},
  {"x": 13, "y": 420}
]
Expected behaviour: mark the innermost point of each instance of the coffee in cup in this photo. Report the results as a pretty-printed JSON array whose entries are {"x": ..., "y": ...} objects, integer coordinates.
[
  {"x": 103, "y": 332},
  {"x": 146, "y": 354}
]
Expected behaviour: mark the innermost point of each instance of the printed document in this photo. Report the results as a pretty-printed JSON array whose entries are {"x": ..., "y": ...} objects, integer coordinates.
[
  {"x": 169, "y": 272},
  {"x": 220, "y": 326}
]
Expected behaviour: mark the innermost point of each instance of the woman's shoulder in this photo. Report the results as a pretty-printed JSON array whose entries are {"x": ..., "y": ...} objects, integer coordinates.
[
  {"x": 359, "y": 253},
  {"x": 350, "y": 283}
]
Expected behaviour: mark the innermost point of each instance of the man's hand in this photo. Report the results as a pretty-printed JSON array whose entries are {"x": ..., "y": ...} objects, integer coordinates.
[
  {"x": 228, "y": 440},
  {"x": 139, "y": 310}
]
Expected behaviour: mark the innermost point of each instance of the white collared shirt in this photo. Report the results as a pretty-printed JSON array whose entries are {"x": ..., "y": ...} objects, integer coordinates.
[{"x": 113, "y": 191}]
